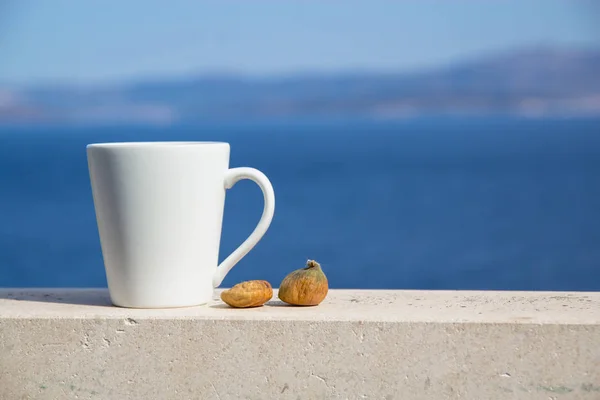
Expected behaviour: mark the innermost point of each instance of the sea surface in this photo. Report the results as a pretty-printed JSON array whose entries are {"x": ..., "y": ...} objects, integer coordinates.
[{"x": 438, "y": 203}]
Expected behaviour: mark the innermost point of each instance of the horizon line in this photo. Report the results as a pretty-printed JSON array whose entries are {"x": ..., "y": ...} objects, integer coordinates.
[{"x": 241, "y": 75}]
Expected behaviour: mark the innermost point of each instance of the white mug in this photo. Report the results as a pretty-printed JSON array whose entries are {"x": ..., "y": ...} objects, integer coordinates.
[{"x": 159, "y": 210}]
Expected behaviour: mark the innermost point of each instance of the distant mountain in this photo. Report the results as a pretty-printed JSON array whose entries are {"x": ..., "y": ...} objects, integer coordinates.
[{"x": 541, "y": 81}]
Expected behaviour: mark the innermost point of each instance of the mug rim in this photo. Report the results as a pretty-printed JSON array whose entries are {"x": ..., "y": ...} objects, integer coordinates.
[{"x": 174, "y": 143}]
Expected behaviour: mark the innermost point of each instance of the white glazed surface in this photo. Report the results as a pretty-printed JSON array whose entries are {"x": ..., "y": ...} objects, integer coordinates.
[{"x": 159, "y": 208}]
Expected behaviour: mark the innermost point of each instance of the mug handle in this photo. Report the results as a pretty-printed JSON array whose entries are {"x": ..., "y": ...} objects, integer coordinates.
[{"x": 232, "y": 176}]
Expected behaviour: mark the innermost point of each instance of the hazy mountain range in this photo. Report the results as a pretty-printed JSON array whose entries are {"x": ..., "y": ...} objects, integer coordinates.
[{"x": 531, "y": 82}]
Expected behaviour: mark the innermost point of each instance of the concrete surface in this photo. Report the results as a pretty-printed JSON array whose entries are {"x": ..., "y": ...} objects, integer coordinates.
[{"x": 72, "y": 344}]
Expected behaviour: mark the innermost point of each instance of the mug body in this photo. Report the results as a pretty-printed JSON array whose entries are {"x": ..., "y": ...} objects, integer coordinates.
[{"x": 159, "y": 210}]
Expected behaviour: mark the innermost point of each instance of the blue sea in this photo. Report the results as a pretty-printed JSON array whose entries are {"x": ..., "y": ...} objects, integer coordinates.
[{"x": 433, "y": 203}]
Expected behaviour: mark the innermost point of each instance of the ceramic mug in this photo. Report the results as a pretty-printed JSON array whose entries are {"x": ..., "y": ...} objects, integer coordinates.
[{"x": 159, "y": 210}]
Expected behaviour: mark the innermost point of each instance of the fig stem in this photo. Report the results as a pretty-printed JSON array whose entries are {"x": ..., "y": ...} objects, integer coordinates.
[{"x": 312, "y": 264}]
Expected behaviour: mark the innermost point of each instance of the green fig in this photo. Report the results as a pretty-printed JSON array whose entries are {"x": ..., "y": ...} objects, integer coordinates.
[{"x": 304, "y": 287}]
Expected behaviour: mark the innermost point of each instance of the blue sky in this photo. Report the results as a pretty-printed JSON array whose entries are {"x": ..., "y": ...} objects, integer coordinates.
[{"x": 115, "y": 40}]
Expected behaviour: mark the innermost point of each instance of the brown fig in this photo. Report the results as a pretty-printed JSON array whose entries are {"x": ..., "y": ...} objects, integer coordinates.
[
  {"x": 304, "y": 287},
  {"x": 248, "y": 294}
]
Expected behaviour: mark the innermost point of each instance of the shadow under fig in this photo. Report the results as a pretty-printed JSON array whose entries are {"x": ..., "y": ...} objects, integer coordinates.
[{"x": 271, "y": 303}]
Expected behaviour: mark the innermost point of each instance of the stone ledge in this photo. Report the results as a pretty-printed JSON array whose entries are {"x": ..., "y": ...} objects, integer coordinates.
[
  {"x": 340, "y": 305},
  {"x": 63, "y": 344}
]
